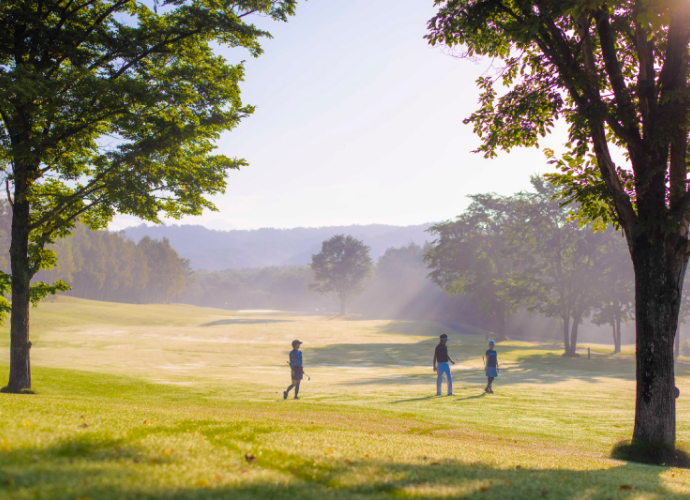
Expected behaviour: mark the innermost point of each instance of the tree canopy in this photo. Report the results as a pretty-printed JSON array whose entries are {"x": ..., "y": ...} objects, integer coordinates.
[
  {"x": 468, "y": 257},
  {"x": 617, "y": 72},
  {"x": 107, "y": 106}
]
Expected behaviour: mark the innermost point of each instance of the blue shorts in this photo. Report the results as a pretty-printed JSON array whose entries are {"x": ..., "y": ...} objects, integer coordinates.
[{"x": 491, "y": 371}]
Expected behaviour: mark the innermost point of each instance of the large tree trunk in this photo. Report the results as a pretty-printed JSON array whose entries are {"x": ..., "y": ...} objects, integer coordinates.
[
  {"x": 659, "y": 272},
  {"x": 20, "y": 365}
]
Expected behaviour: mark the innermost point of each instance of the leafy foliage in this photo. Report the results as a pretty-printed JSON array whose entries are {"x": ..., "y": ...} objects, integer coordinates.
[
  {"x": 341, "y": 266},
  {"x": 109, "y": 107},
  {"x": 468, "y": 257}
]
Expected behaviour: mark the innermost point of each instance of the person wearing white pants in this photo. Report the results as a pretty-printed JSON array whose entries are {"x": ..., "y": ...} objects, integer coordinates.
[{"x": 441, "y": 366}]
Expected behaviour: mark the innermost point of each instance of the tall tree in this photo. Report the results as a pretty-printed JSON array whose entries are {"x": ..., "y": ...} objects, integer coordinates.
[
  {"x": 342, "y": 266},
  {"x": 106, "y": 107},
  {"x": 558, "y": 260},
  {"x": 617, "y": 71},
  {"x": 468, "y": 257}
]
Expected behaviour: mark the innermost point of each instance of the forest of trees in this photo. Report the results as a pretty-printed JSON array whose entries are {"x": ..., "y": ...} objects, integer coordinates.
[
  {"x": 104, "y": 265},
  {"x": 529, "y": 251}
]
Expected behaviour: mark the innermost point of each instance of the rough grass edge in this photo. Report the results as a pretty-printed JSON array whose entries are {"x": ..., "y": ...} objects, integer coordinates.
[{"x": 651, "y": 453}]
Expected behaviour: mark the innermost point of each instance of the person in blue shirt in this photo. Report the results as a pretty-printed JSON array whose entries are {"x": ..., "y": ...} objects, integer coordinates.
[
  {"x": 296, "y": 368},
  {"x": 441, "y": 359},
  {"x": 491, "y": 366}
]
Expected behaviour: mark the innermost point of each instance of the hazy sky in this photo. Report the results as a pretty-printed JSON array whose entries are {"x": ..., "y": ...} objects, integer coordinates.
[{"x": 358, "y": 121}]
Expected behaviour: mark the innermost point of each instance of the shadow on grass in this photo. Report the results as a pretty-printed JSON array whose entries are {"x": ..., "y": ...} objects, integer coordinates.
[
  {"x": 239, "y": 321},
  {"x": 130, "y": 464},
  {"x": 651, "y": 453},
  {"x": 520, "y": 363},
  {"x": 103, "y": 469}
]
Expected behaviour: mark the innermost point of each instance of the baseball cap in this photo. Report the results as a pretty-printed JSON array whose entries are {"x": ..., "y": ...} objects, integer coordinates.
[
  {"x": 444, "y": 337},
  {"x": 296, "y": 342},
  {"x": 492, "y": 342}
]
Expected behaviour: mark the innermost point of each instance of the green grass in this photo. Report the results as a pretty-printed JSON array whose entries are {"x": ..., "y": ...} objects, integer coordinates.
[{"x": 165, "y": 401}]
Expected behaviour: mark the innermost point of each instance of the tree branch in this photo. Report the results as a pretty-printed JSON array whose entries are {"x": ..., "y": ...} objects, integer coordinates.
[{"x": 613, "y": 69}]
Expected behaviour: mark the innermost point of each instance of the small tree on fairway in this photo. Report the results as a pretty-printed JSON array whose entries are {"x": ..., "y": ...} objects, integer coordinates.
[
  {"x": 109, "y": 107},
  {"x": 617, "y": 71},
  {"x": 468, "y": 257},
  {"x": 341, "y": 267}
]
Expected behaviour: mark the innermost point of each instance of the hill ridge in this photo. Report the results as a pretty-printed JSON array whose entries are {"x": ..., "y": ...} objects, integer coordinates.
[{"x": 215, "y": 250}]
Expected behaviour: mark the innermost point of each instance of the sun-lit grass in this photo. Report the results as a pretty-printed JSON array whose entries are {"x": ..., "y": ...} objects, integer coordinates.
[{"x": 167, "y": 401}]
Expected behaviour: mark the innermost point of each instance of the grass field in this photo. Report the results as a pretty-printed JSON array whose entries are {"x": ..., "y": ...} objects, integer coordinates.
[{"x": 181, "y": 402}]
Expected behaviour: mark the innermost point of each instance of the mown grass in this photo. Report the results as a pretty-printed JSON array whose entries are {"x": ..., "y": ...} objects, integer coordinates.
[{"x": 133, "y": 406}]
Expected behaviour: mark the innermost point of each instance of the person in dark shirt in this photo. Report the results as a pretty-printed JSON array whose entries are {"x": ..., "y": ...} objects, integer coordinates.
[
  {"x": 441, "y": 359},
  {"x": 491, "y": 366},
  {"x": 296, "y": 368}
]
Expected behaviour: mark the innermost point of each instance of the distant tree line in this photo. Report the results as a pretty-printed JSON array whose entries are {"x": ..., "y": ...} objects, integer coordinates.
[
  {"x": 275, "y": 287},
  {"x": 398, "y": 288},
  {"x": 104, "y": 265},
  {"x": 529, "y": 250}
]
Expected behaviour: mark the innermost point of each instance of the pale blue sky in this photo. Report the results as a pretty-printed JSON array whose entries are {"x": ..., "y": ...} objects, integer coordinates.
[{"x": 358, "y": 121}]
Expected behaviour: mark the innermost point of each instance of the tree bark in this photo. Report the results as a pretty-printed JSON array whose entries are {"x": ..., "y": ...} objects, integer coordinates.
[
  {"x": 659, "y": 271},
  {"x": 20, "y": 363}
]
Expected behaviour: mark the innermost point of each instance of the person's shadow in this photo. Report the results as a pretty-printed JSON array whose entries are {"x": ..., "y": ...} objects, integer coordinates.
[{"x": 434, "y": 396}]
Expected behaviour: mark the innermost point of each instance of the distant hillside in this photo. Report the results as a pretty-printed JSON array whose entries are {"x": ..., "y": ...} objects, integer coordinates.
[{"x": 218, "y": 250}]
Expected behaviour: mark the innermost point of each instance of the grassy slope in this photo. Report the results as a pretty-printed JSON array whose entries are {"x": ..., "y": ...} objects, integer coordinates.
[{"x": 169, "y": 399}]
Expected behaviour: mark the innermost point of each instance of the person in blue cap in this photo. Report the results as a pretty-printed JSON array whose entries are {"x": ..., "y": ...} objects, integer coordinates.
[
  {"x": 491, "y": 366},
  {"x": 296, "y": 368},
  {"x": 441, "y": 358}
]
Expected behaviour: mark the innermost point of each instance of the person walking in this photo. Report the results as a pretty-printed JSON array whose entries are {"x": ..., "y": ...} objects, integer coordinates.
[
  {"x": 441, "y": 359},
  {"x": 491, "y": 366},
  {"x": 296, "y": 368}
]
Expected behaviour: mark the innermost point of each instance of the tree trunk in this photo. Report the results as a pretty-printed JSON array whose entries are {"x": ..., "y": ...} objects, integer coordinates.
[
  {"x": 617, "y": 336},
  {"x": 566, "y": 338},
  {"x": 571, "y": 351},
  {"x": 677, "y": 346},
  {"x": 20, "y": 365},
  {"x": 342, "y": 304},
  {"x": 659, "y": 272}
]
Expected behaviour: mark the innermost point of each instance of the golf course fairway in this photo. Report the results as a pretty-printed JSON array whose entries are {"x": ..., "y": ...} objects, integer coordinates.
[{"x": 180, "y": 402}]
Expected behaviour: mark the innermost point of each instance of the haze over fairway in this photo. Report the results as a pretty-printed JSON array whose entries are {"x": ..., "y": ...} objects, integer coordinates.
[{"x": 168, "y": 399}]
